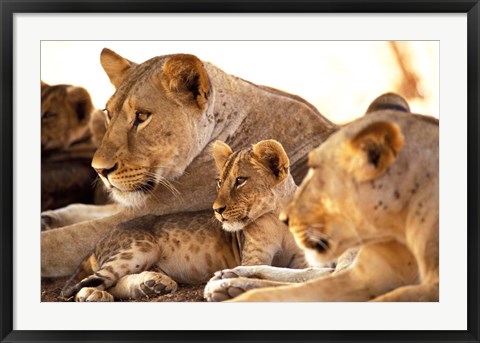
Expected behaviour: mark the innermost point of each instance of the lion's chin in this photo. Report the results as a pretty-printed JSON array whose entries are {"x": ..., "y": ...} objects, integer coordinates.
[
  {"x": 232, "y": 227},
  {"x": 315, "y": 259},
  {"x": 136, "y": 198}
]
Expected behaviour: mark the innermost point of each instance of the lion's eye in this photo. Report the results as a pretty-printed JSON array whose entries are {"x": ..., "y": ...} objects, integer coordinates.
[
  {"x": 219, "y": 183},
  {"x": 47, "y": 116},
  {"x": 239, "y": 181},
  {"x": 141, "y": 116}
]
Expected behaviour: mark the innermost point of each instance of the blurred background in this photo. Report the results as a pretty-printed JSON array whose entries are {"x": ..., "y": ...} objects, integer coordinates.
[{"x": 340, "y": 78}]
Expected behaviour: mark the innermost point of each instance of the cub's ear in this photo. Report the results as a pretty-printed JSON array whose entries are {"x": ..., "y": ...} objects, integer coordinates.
[
  {"x": 115, "y": 66},
  {"x": 369, "y": 154},
  {"x": 81, "y": 102},
  {"x": 220, "y": 152},
  {"x": 186, "y": 78},
  {"x": 388, "y": 101},
  {"x": 272, "y": 157}
]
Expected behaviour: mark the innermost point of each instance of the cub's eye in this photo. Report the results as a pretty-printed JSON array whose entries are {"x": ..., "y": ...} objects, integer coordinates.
[
  {"x": 240, "y": 181},
  {"x": 141, "y": 116},
  {"x": 47, "y": 116},
  {"x": 219, "y": 183}
]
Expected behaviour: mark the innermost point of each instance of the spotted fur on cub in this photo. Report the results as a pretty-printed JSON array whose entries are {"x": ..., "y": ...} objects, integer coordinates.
[{"x": 148, "y": 256}]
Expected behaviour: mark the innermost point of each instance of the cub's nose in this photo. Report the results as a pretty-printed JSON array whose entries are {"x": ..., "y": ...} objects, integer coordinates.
[
  {"x": 105, "y": 171},
  {"x": 220, "y": 210}
]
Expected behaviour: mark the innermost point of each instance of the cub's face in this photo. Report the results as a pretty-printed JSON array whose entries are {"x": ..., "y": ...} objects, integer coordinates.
[
  {"x": 65, "y": 115},
  {"x": 247, "y": 181},
  {"x": 156, "y": 123},
  {"x": 326, "y": 215}
]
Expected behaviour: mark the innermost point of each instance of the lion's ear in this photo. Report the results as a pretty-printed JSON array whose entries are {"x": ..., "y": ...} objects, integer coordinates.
[
  {"x": 220, "y": 152},
  {"x": 388, "y": 101},
  {"x": 115, "y": 66},
  {"x": 369, "y": 154},
  {"x": 185, "y": 76},
  {"x": 271, "y": 155},
  {"x": 81, "y": 102},
  {"x": 44, "y": 85}
]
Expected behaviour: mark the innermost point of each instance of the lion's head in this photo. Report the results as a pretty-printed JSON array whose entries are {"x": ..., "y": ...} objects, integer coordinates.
[
  {"x": 251, "y": 182},
  {"x": 361, "y": 181},
  {"x": 65, "y": 115},
  {"x": 157, "y": 122}
]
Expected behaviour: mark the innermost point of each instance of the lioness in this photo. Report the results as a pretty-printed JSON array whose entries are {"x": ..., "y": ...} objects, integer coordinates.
[
  {"x": 252, "y": 185},
  {"x": 373, "y": 184},
  {"x": 67, "y": 146},
  {"x": 153, "y": 157}
]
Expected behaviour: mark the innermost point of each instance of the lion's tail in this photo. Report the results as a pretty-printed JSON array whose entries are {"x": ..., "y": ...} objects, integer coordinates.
[{"x": 88, "y": 266}]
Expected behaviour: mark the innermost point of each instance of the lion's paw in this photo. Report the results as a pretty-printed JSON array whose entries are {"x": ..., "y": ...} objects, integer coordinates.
[
  {"x": 221, "y": 290},
  {"x": 224, "y": 274},
  {"x": 152, "y": 283},
  {"x": 90, "y": 294},
  {"x": 253, "y": 272},
  {"x": 49, "y": 220},
  {"x": 46, "y": 221}
]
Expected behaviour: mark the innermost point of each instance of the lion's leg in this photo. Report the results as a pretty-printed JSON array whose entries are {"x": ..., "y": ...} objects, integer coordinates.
[
  {"x": 121, "y": 254},
  {"x": 378, "y": 269},
  {"x": 262, "y": 241},
  {"x": 423, "y": 240},
  {"x": 346, "y": 259},
  {"x": 76, "y": 213},
  {"x": 63, "y": 249},
  {"x": 229, "y": 283},
  {"x": 143, "y": 285},
  {"x": 272, "y": 273},
  {"x": 422, "y": 292},
  {"x": 427, "y": 290}
]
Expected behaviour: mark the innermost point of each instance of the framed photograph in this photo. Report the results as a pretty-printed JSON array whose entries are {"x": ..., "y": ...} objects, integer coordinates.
[{"x": 334, "y": 58}]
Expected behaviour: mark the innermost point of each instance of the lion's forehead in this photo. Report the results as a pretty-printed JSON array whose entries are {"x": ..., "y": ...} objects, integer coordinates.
[
  {"x": 240, "y": 166},
  {"x": 326, "y": 188},
  {"x": 419, "y": 131},
  {"x": 138, "y": 85}
]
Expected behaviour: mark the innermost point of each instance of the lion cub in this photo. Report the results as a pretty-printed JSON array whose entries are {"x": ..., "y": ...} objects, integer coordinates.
[
  {"x": 253, "y": 185},
  {"x": 147, "y": 256}
]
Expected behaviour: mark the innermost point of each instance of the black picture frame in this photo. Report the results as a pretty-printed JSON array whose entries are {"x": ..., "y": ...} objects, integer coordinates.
[{"x": 10, "y": 7}]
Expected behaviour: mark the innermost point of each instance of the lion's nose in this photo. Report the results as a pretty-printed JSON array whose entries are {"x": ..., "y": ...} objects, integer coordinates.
[
  {"x": 105, "y": 171},
  {"x": 220, "y": 210}
]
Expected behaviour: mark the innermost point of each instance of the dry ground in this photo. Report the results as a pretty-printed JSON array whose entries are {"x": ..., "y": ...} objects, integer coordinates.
[{"x": 185, "y": 293}]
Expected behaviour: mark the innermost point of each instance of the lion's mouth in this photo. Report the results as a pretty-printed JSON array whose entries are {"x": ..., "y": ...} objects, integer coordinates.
[
  {"x": 221, "y": 218},
  {"x": 146, "y": 187}
]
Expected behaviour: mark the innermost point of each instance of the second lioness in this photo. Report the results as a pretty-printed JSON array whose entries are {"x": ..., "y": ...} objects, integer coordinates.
[{"x": 147, "y": 256}]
